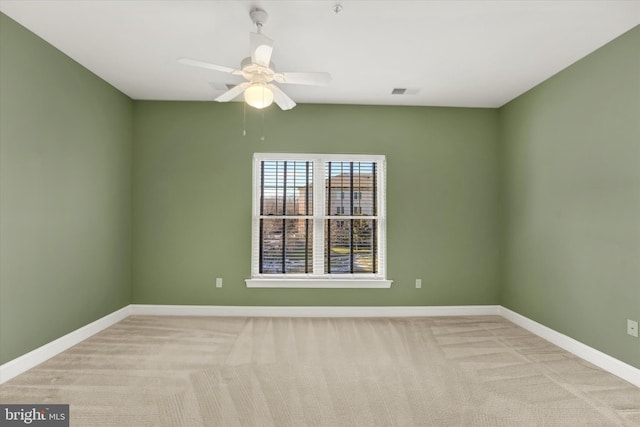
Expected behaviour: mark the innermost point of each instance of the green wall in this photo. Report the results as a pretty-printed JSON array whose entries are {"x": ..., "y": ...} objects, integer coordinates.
[
  {"x": 571, "y": 181},
  {"x": 192, "y": 199},
  {"x": 65, "y": 194}
]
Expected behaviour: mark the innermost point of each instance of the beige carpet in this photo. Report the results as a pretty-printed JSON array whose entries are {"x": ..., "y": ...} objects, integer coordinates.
[{"x": 443, "y": 371}]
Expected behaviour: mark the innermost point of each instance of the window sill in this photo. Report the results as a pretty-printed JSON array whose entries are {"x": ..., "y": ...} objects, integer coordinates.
[{"x": 319, "y": 283}]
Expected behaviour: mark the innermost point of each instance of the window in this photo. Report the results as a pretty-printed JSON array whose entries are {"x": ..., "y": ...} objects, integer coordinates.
[{"x": 318, "y": 221}]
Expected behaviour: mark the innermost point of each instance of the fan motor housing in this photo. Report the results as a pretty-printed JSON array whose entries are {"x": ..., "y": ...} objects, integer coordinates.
[{"x": 256, "y": 73}]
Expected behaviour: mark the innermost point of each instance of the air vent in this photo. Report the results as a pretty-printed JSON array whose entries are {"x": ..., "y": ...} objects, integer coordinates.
[{"x": 405, "y": 91}]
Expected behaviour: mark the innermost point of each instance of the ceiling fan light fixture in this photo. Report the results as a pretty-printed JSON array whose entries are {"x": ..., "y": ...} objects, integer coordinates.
[
  {"x": 258, "y": 96},
  {"x": 260, "y": 73}
]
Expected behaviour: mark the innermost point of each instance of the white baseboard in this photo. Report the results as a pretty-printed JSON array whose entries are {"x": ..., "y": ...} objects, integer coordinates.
[
  {"x": 35, "y": 357},
  {"x": 590, "y": 354},
  {"x": 284, "y": 311}
]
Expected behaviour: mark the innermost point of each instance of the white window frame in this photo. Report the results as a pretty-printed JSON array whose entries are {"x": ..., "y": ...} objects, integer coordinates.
[{"x": 318, "y": 279}]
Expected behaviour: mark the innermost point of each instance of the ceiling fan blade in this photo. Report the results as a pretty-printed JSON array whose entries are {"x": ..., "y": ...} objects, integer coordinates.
[
  {"x": 261, "y": 49},
  {"x": 313, "y": 79},
  {"x": 200, "y": 64},
  {"x": 281, "y": 98},
  {"x": 233, "y": 92}
]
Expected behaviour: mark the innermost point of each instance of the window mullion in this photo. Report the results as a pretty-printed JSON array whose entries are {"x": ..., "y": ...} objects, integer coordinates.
[
  {"x": 284, "y": 220},
  {"x": 352, "y": 222},
  {"x": 256, "y": 232},
  {"x": 318, "y": 217}
]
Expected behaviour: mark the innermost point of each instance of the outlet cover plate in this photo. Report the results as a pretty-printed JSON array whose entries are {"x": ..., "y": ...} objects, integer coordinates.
[{"x": 632, "y": 328}]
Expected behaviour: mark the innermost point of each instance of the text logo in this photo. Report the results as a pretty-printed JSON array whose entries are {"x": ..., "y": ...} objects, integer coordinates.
[{"x": 34, "y": 415}]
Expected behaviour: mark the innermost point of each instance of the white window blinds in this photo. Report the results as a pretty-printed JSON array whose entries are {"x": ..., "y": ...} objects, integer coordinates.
[{"x": 286, "y": 215}]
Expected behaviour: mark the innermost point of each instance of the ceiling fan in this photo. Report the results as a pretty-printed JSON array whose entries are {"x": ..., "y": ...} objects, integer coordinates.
[{"x": 260, "y": 73}]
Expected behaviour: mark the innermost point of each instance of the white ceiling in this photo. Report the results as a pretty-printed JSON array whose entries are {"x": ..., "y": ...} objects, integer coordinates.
[{"x": 455, "y": 53}]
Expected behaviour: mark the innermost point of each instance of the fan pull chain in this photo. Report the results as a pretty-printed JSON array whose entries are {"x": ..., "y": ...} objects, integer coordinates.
[
  {"x": 244, "y": 119},
  {"x": 262, "y": 137}
]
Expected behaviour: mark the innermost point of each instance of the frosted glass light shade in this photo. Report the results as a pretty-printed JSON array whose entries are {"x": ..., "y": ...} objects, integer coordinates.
[{"x": 258, "y": 96}]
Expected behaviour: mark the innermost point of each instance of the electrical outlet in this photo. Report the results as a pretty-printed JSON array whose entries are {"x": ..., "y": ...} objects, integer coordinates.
[
  {"x": 418, "y": 283},
  {"x": 218, "y": 282},
  {"x": 632, "y": 328}
]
